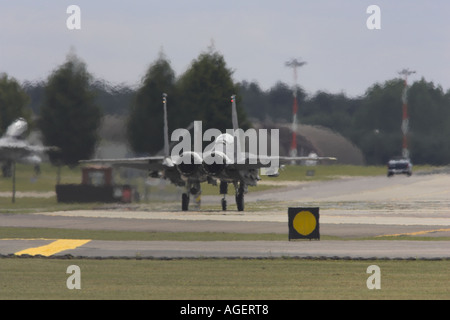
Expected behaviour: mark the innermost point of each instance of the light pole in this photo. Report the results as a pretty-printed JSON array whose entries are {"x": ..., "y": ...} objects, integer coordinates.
[
  {"x": 405, "y": 120},
  {"x": 294, "y": 64}
]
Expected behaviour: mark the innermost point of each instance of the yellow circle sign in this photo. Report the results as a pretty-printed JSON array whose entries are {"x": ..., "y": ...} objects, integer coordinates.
[{"x": 304, "y": 223}]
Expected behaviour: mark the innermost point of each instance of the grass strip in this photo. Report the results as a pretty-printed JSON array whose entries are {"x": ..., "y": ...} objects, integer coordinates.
[{"x": 216, "y": 279}]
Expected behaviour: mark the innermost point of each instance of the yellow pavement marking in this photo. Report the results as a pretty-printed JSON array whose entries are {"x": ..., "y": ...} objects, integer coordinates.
[
  {"x": 54, "y": 247},
  {"x": 414, "y": 233},
  {"x": 9, "y": 239}
]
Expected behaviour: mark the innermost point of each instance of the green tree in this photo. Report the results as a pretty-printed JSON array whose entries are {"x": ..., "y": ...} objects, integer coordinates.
[
  {"x": 334, "y": 111},
  {"x": 254, "y": 100},
  {"x": 113, "y": 99},
  {"x": 205, "y": 90},
  {"x": 69, "y": 116},
  {"x": 146, "y": 121},
  {"x": 378, "y": 120},
  {"x": 383, "y": 107},
  {"x": 429, "y": 114},
  {"x": 428, "y": 107},
  {"x": 281, "y": 102},
  {"x": 13, "y": 102}
]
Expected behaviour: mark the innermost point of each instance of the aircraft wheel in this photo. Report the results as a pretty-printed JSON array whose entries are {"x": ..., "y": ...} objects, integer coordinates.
[
  {"x": 240, "y": 201},
  {"x": 185, "y": 202},
  {"x": 223, "y": 187},
  {"x": 224, "y": 204}
]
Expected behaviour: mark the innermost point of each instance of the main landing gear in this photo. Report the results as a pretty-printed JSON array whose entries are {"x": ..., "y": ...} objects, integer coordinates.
[
  {"x": 191, "y": 189},
  {"x": 240, "y": 191}
]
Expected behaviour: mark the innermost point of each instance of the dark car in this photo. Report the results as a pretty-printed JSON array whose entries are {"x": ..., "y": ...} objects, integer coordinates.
[{"x": 399, "y": 166}]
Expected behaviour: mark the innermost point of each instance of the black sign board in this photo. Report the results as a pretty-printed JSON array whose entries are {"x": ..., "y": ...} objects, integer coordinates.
[{"x": 303, "y": 223}]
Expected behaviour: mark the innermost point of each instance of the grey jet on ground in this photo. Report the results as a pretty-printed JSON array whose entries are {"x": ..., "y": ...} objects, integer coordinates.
[{"x": 189, "y": 169}]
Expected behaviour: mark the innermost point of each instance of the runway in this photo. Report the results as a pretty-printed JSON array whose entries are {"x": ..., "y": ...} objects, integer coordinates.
[{"x": 349, "y": 208}]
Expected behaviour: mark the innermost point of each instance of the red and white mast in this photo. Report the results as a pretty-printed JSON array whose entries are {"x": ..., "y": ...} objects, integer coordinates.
[
  {"x": 405, "y": 119},
  {"x": 294, "y": 64}
]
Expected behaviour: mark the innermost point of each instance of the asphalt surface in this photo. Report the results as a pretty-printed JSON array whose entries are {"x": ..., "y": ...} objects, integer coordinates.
[{"x": 349, "y": 207}]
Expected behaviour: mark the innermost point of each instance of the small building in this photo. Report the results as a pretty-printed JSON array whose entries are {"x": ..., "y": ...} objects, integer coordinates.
[{"x": 96, "y": 186}]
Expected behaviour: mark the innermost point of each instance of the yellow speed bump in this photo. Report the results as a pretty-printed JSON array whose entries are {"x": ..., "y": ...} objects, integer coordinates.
[{"x": 53, "y": 248}]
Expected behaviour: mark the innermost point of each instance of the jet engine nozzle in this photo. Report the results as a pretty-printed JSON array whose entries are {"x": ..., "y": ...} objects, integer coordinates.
[
  {"x": 215, "y": 163},
  {"x": 189, "y": 164}
]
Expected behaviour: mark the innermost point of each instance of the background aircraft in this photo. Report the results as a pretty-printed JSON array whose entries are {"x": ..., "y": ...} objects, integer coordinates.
[
  {"x": 190, "y": 174},
  {"x": 14, "y": 148}
]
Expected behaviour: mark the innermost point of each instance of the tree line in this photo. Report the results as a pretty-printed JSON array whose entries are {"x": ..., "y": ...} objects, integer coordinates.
[
  {"x": 69, "y": 105},
  {"x": 372, "y": 121}
]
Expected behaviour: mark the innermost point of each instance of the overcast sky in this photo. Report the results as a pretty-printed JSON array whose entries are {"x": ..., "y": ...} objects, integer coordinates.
[{"x": 118, "y": 40}]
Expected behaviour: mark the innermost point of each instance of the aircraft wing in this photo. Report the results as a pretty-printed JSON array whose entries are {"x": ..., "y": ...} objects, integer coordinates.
[
  {"x": 40, "y": 149},
  {"x": 15, "y": 151},
  {"x": 285, "y": 160},
  {"x": 144, "y": 163},
  {"x": 255, "y": 162},
  {"x": 270, "y": 165}
]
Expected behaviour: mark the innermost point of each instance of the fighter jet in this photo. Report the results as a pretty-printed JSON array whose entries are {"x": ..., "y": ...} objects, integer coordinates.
[
  {"x": 189, "y": 169},
  {"x": 14, "y": 148}
]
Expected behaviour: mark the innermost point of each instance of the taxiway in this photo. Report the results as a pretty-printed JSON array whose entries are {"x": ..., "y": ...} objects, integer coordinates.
[{"x": 349, "y": 208}]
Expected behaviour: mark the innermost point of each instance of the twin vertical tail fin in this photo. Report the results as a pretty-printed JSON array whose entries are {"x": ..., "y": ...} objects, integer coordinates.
[
  {"x": 166, "y": 127},
  {"x": 238, "y": 134},
  {"x": 234, "y": 116}
]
